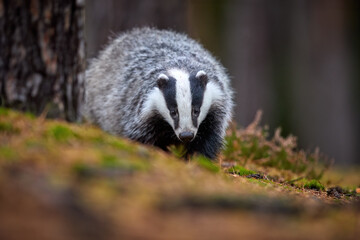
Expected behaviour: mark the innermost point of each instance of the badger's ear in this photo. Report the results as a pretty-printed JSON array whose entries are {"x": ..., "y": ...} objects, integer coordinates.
[
  {"x": 162, "y": 80},
  {"x": 201, "y": 75}
]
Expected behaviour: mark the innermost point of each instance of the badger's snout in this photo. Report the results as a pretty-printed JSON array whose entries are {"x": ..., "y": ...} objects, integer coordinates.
[{"x": 186, "y": 136}]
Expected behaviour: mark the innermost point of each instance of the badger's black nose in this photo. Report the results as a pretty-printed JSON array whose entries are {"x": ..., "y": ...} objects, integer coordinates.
[{"x": 186, "y": 136}]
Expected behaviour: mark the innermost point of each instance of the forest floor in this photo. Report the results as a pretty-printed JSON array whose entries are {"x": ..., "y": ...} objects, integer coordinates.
[{"x": 72, "y": 181}]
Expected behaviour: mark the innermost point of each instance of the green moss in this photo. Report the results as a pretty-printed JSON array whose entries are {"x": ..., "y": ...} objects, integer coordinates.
[
  {"x": 8, "y": 128},
  {"x": 35, "y": 144},
  {"x": 109, "y": 166},
  {"x": 7, "y": 153},
  {"x": 118, "y": 144},
  {"x": 114, "y": 162},
  {"x": 30, "y": 115},
  {"x": 4, "y": 111},
  {"x": 61, "y": 133},
  {"x": 99, "y": 140},
  {"x": 257, "y": 181},
  {"x": 314, "y": 184},
  {"x": 206, "y": 164},
  {"x": 241, "y": 171},
  {"x": 178, "y": 151},
  {"x": 109, "y": 161}
]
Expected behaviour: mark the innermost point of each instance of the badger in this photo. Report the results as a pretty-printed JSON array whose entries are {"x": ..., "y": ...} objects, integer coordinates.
[{"x": 161, "y": 88}]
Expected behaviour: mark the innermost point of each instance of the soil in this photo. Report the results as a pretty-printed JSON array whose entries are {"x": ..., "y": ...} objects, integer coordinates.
[{"x": 63, "y": 181}]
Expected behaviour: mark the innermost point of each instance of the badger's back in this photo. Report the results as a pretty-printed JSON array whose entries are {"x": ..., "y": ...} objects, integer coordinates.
[{"x": 120, "y": 79}]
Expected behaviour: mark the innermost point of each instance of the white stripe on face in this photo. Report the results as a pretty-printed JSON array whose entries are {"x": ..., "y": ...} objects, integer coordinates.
[
  {"x": 212, "y": 94},
  {"x": 156, "y": 100},
  {"x": 183, "y": 99}
]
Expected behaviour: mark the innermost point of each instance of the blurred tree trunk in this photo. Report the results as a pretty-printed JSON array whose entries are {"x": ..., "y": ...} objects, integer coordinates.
[
  {"x": 108, "y": 17},
  {"x": 249, "y": 60},
  {"x": 42, "y": 56},
  {"x": 322, "y": 79}
]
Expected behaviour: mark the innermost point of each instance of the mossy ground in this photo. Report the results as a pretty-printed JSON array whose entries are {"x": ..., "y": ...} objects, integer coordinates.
[{"x": 71, "y": 181}]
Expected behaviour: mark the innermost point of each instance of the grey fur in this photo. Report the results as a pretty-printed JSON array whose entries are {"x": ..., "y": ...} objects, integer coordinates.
[{"x": 119, "y": 79}]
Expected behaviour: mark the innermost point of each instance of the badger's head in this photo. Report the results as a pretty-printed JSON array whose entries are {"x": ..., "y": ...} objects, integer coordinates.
[{"x": 183, "y": 100}]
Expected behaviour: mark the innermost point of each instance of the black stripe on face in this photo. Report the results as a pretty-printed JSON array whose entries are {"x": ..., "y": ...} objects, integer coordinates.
[
  {"x": 197, "y": 87},
  {"x": 168, "y": 88}
]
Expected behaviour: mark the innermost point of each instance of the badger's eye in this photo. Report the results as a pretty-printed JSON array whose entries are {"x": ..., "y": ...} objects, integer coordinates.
[
  {"x": 174, "y": 113},
  {"x": 196, "y": 112}
]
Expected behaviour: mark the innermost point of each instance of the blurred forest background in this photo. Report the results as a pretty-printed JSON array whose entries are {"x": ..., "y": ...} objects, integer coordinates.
[{"x": 297, "y": 60}]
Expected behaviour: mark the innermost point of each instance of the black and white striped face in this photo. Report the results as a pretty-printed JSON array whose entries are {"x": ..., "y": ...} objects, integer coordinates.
[{"x": 183, "y": 100}]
